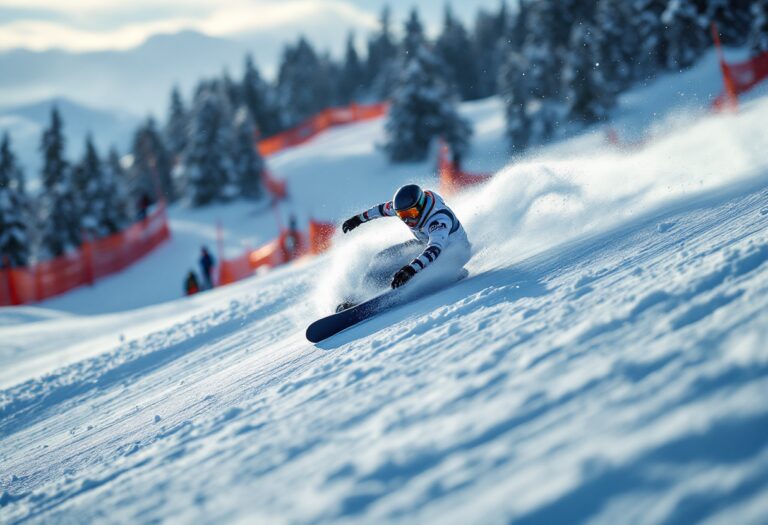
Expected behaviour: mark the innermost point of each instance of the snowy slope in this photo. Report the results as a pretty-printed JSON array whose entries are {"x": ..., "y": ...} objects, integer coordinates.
[{"x": 604, "y": 362}]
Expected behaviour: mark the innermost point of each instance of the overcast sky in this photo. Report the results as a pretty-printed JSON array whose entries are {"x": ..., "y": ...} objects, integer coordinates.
[{"x": 90, "y": 25}]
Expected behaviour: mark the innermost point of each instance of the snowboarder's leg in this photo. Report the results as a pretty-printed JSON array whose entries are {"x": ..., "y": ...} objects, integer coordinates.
[
  {"x": 388, "y": 261},
  {"x": 447, "y": 268},
  {"x": 380, "y": 270}
]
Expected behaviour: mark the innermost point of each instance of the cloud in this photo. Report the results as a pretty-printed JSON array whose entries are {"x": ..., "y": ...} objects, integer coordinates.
[
  {"x": 42, "y": 35},
  {"x": 88, "y": 25},
  {"x": 267, "y": 15}
]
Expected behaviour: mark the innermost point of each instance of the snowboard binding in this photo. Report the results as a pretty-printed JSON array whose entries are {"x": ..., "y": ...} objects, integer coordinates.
[{"x": 346, "y": 305}]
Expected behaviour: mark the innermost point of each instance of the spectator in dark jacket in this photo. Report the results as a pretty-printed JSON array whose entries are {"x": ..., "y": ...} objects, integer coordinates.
[
  {"x": 207, "y": 263},
  {"x": 144, "y": 203}
]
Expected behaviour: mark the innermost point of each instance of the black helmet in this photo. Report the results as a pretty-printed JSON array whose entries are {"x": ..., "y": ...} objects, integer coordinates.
[{"x": 409, "y": 203}]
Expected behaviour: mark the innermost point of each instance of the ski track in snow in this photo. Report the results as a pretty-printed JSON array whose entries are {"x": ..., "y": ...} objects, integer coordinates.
[{"x": 601, "y": 366}]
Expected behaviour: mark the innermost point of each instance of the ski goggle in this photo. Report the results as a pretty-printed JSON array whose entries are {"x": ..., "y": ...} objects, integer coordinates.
[{"x": 410, "y": 213}]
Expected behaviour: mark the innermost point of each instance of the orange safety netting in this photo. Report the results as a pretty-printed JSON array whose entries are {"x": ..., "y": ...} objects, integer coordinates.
[
  {"x": 327, "y": 118},
  {"x": 320, "y": 122},
  {"x": 320, "y": 234},
  {"x": 288, "y": 246},
  {"x": 452, "y": 178},
  {"x": 93, "y": 260},
  {"x": 740, "y": 78},
  {"x": 737, "y": 78}
]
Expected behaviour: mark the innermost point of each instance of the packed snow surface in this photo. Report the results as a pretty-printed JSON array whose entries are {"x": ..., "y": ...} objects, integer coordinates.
[{"x": 604, "y": 362}]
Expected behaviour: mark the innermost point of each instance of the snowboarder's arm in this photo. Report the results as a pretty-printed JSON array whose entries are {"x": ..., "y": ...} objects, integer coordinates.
[
  {"x": 439, "y": 228},
  {"x": 385, "y": 209}
]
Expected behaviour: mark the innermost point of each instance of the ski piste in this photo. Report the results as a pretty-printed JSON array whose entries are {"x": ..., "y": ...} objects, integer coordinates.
[{"x": 333, "y": 324}]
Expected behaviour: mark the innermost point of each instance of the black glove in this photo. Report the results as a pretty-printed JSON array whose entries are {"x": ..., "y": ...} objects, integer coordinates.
[
  {"x": 402, "y": 276},
  {"x": 351, "y": 224}
]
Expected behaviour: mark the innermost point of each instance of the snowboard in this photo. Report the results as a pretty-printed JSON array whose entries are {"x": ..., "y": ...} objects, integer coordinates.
[{"x": 335, "y": 323}]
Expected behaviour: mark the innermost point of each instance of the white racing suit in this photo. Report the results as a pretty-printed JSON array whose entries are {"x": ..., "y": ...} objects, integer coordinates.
[{"x": 437, "y": 228}]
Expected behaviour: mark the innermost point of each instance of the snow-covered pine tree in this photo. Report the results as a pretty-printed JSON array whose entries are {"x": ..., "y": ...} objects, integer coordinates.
[
  {"x": 454, "y": 48},
  {"x": 422, "y": 106},
  {"x": 261, "y": 100},
  {"x": 231, "y": 90},
  {"x": 150, "y": 171},
  {"x": 305, "y": 82},
  {"x": 100, "y": 194},
  {"x": 543, "y": 105},
  {"x": 560, "y": 17},
  {"x": 645, "y": 23},
  {"x": 226, "y": 137},
  {"x": 176, "y": 132},
  {"x": 352, "y": 74},
  {"x": 207, "y": 161},
  {"x": 14, "y": 210},
  {"x": 541, "y": 51},
  {"x": 330, "y": 75},
  {"x": 247, "y": 163},
  {"x": 614, "y": 47},
  {"x": 733, "y": 19},
  {"x": 381, "y": 65},
  {"x": 588, "y": 96},
  {"x": 59, "y": 224},
  {"x": 514, "y": 91},
  {"x": 13, "y": 170},
  {"x": 687, "y": 35},
  {"x": 86, "y": 180},
  {"x": 414, "y": 40},
  {"x": 758, "y": 34},
  {"x": 490, "y": 29},
  {"x": 514, "y": 38},
  {"x": 116, "y": 212}
]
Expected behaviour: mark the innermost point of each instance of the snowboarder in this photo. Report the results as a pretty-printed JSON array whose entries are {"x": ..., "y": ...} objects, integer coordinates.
[
  {"x": 206, "y": 265},
  {"x": 431, "y": 222}
]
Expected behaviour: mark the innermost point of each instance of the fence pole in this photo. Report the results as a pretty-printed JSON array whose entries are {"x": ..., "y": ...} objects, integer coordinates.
[{"x": 731, "y": 99}]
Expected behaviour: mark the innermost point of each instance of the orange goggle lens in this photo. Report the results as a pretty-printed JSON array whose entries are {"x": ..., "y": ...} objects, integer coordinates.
[{"x": 410, "y": 213}]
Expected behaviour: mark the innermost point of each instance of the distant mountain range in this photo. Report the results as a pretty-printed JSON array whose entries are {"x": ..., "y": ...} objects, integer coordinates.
[
  {"x": 25, "y": 124},
  {"x": 107, "y": 93},
  {"x": 137, "y": 80}
]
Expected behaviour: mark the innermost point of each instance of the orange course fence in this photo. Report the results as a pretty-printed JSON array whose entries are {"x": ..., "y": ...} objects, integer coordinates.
[
  {"x": 93, "y": 260},
  {"x": 737, "y": 78},
  {"x": 452, "y": 177},
  {"x": 740, "y": 78},
  {"x": 325, "y": 119},
  {"x": 288, "y": 246},
  {"x": 306, "y": 130}
]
